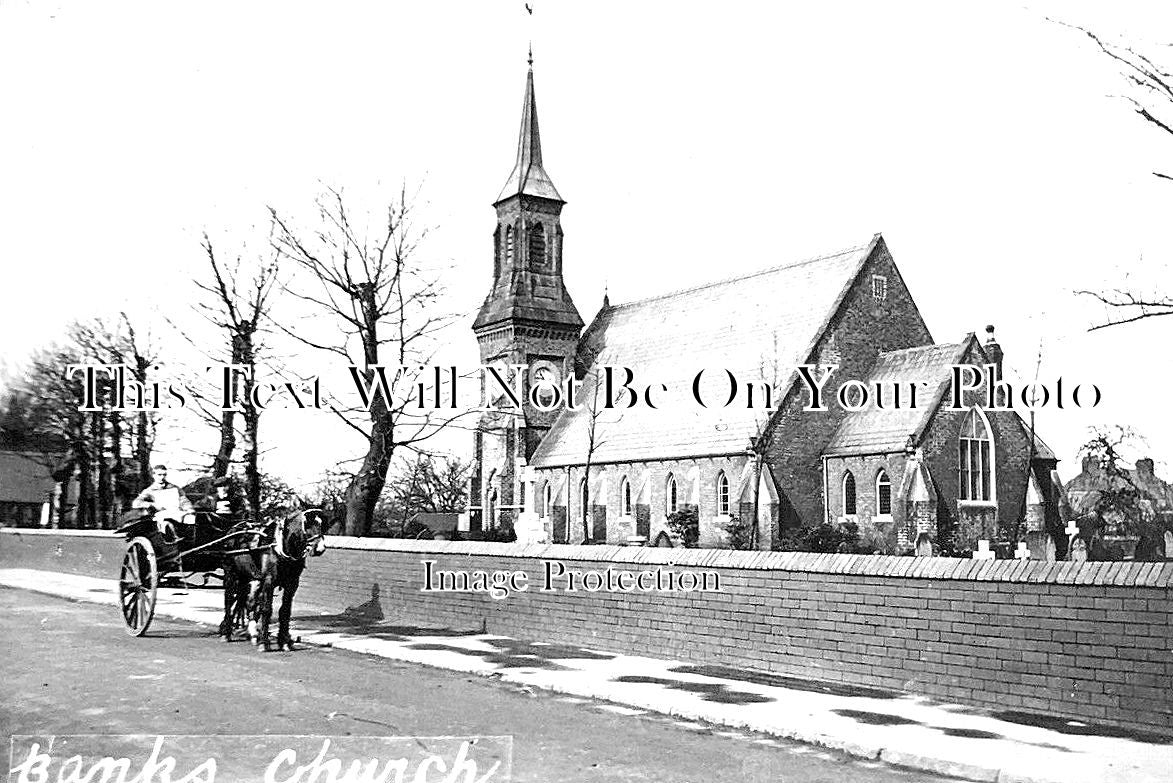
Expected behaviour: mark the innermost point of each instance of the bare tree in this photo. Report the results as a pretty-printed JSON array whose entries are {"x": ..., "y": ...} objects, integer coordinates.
[
  {"x": 428, "y": 485},
  {"x": 593, "y": 410},
  {"x": 237, "y": 295},
  {"x": 1149, "y": 92},
  {"x": 381, "y": 308}
]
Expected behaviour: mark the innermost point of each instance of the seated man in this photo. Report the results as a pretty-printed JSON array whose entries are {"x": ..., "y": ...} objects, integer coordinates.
[
  {"x": 166, "y": 501},
  {"x": 222, "y": 503}
]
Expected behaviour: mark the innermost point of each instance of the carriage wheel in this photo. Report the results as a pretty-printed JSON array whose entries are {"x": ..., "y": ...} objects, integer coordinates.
[{"x": 137, "y": 585}]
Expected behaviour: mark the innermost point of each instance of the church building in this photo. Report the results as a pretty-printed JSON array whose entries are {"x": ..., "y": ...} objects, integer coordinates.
[{"x": 928, "y": 479}]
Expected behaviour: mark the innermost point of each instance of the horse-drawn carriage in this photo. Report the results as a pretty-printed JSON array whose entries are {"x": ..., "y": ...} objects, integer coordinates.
[
  {"x": 205, "y": 539},
  {"x": 216, "y": 546}
]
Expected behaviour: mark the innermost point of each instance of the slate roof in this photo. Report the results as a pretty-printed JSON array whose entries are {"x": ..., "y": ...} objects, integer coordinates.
[
  {"x": 874, "y": 431},
  {"x": 24, "y": 477},
  {"x": 758, "y": 326}
]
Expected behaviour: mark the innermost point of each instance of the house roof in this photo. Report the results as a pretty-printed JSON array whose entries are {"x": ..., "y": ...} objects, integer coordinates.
[
  {"x": 25, "y": 477},
  {"x": 878, "y": 431},
  {"x": 758, "y": 327},
  {"x": 437, "y": 521}
]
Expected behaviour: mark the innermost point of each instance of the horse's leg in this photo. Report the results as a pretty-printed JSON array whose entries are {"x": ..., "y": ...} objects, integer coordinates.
[
  {"x": 266, "y": 609},
  {"x": 229, "y": 600},
  {"x": 288, "y": 590},
  {"x": 240, "y": 609},
  {"x": 253, "y": 609}
]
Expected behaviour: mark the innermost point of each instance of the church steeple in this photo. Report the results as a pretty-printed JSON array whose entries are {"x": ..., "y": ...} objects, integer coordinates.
[
  {"x": 528, "y": 289},
  {"x": 528, "y": 318},
  {"x": 528, "y": 177}
]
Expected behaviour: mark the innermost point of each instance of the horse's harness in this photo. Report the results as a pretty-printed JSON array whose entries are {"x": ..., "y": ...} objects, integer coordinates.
[{"x": 277, "y": 542}]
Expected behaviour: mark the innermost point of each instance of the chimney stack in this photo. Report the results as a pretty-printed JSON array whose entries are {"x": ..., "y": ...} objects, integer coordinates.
[
  {"x": 993, "y": 350},
  {"x": 1144, "y": 467}
]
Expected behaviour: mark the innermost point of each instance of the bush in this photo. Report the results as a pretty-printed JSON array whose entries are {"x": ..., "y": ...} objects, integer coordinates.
[
  {"x": 740, "y": 534},
  {"x": 824, "y": 537},
  {"x": 685, "y": 524}
]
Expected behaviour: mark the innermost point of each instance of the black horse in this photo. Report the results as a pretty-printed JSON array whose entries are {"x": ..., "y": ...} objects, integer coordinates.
[{"x": 272, "y": 560}]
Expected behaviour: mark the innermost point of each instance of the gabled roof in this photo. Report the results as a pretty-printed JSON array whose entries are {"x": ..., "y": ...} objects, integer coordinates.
[
  {"x": 872, "y": 431},
  {"x": 25, "y": 477},
  {"x": 758, "y": 327},
  {"x": 876, "y": 431},
  {"x": 528, "y": 176}
]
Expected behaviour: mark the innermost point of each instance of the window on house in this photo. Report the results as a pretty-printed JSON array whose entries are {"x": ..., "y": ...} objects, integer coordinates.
[
  {"x": 722, "y": 493},
  {"x": 584, "y": 494},
  {"x": 883, "y": 493},
  {"x": 624, "y": 497},
  {"x": 849, "y": 494},
  {"x": 879, "y": 288},
  {"x": 670, "y": 497},
  {"x": 548, "y": 500},
  {"x": 974, "y": 452},
  {"x": 537, "y": 245}
]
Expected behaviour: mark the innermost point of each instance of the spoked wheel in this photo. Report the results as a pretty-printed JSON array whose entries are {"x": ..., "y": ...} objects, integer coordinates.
[{"x": 137, "y": 585}]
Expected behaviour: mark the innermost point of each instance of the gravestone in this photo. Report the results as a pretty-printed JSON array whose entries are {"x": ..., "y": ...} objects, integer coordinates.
[
  {"x": 924, "y": 546},
  {"x": 983, "y": 552}
]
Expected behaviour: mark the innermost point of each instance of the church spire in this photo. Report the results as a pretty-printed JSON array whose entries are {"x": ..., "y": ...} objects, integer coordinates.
[{"x": 528, "y": 177}]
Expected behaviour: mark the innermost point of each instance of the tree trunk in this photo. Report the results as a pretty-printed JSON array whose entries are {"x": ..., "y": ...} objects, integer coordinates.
[
  {"x": 364, "y": 490},
  {"x": 84, "y": 511},
  {"x": 118, "y": 487},
  {"x": 105, "y": 488},
  {"x": 223, "y": 458},
  {"x": 142, "y": 446},
  {"x": 243, "y": 344}
]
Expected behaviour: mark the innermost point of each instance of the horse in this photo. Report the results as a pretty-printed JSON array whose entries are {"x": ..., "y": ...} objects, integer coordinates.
[{"x": 273, "y": 560}]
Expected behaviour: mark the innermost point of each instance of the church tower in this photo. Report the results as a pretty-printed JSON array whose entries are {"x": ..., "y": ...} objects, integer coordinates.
[{"x": 527, "y": 318}]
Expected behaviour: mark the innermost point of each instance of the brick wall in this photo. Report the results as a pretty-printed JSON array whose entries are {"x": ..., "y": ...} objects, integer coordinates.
[
  {"x": 860, "y": 330},
  {"x": 1089, "y": 641}
]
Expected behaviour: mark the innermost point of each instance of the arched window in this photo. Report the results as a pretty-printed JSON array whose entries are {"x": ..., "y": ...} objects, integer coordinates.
[
  {"x": 509, "y": 244},
  {"x": 975, "y": 448},
  {"x": 624, "y": 497},
  {"x": 537, "y": 245},
  {"x": 670, "y": 495},
  {"x": 883, "y": 493},
  {"x": 722, "y": 492},
  {"x": 548, "y": 500},
  {"x": 849, "y": 494}
]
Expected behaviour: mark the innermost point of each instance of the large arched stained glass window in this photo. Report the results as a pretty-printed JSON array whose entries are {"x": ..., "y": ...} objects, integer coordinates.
[{"x": 975, "y": 450}]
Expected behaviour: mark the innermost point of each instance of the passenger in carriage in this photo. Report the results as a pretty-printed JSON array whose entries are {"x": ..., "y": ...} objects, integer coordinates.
[
  {"x": 167, "y": 502},
  {"x": 223, "y": 501}
]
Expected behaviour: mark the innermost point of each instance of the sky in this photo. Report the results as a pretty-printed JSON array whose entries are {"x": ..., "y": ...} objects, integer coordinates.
[{"x": 692, "y": 142}]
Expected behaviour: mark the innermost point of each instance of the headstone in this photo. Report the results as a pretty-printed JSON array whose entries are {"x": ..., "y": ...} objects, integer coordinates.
[
  {"x": 1052, "y": 553},
  {"x": 1169, "y": 544},
  {"x": 983, "y": 552},
  {"x": 924, "y": 547},
  {"x": 1022, "y": 553},
  {"x": 1078, "y": 551}
]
